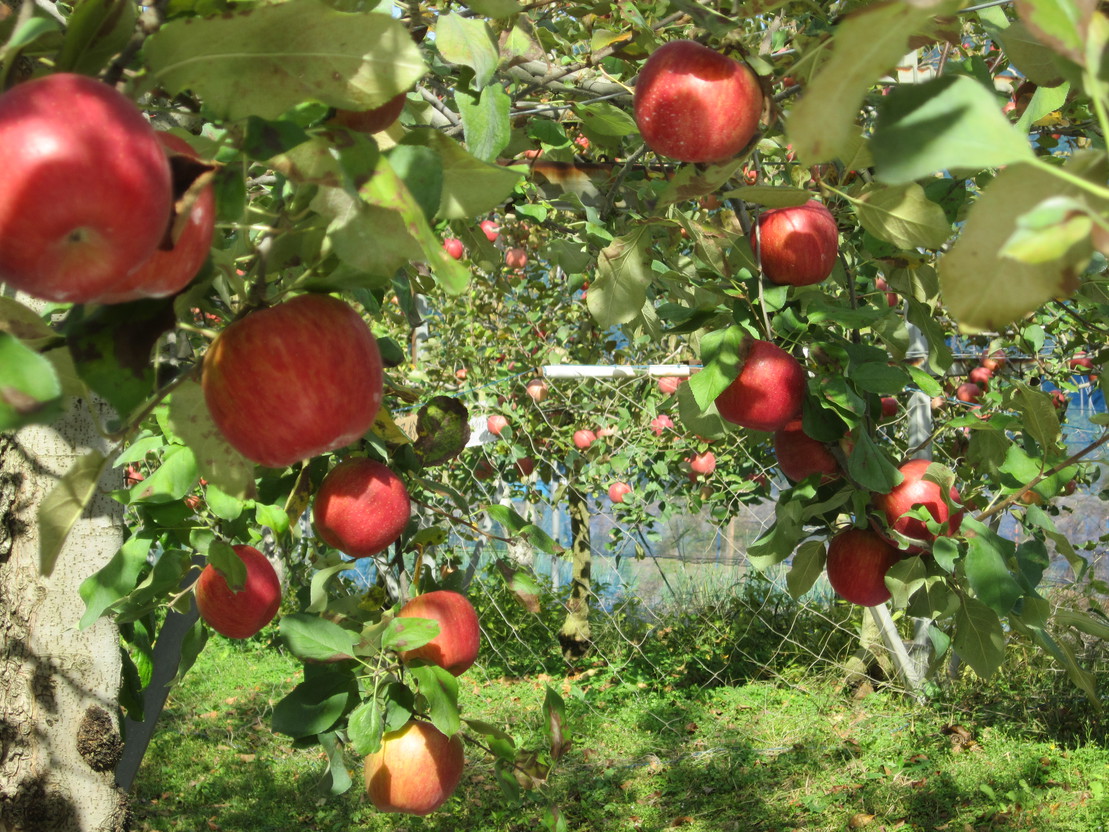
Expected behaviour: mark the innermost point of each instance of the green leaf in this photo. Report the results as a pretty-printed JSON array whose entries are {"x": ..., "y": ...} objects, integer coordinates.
[
  {"x": 1038, "y": 416},
  {"x": 879, "y": 377},
  {"x": 1035, "y": 61},
  {"x": 987, "y": 573},
  {"x": 904, "y": 578},
  {"x": 807, "y": 566},
  {"x": 440, "y": 688},
  {"x": 902, "y": 215},
  {"x": 692, "y": 181},
  {"x": 987, "y": 449},
  {"x": 926, "y": 382},
  {"x": 216, "y": 461},
  {"x": 950, "y": 123},
  {"x": 171, "y": 480},
  {"x": 471, "y": 187},
  {"x": 1048, "y": 231},
  {"x": 822, "y": 125},
  {"x": 408, "y": 633},
  {"x": 468, "y": 41},
  {"x": 95, "y": 32},
  {"x": 984, "y": 290},
  {"x": 222, "y": 504},
  {"x": 495, "y": 9},
  {"x": 115, "y": 580},
  {"x": 779, "y": 541},
  {"x": 64, "y": 505},
  {"x": 1061, "y": 25},
  {"x": 442, "y": 430},
  {"x": 1064, "y": 654},
  {"x": 554, "y": 709},
  {"x": 29, "y": 388},
  {"x": 336, "y": 779},
  {"x": 979, "y": 637},
  {"x": 318, "y": 589},
  {"x": 485, "y": 121},
  {"x": 317, "y": 639},
  {"x": 721, "y": 352},
  {"x": 421, "y": 169},
  {"x": 191, "y": 646},
  {"x": 313, "y": 706},
  {"x": 623, "y": 275},
  {"x": 365, "y": 727},
  {"x": 869, "y": 466},
  {"x": 267, "y": 58},
  {"x": 225, "y": 560}
]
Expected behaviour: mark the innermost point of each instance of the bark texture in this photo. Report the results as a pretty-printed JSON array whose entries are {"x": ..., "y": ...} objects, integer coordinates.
[
  {"x": 59, "y": 740},
  {"x": 575, "y": 636}
]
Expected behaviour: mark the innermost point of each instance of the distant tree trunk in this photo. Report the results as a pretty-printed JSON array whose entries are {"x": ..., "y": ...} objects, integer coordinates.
[
  {"x": 59, "y": 741},
  {"x": 575, "y": 635}
]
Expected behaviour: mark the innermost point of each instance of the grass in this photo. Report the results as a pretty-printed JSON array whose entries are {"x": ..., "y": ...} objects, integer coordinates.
[{"x": 790, "y": 753}]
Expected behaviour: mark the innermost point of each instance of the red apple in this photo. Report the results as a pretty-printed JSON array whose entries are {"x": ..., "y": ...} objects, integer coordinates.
[
  {"x": 526, "y": 466},
  {"x": 294, "y": 380},
  {"x": 969, "y": 392},
  {"x": 1059, "y": 399},
  {"x": 537, "y": 388},
  {"x": 796, "y": 246},
  {"x": 375, "y": 120},
  {"x": 661, "y": 423},
  {"x": 980, "y": 376},
  {"x": 993, "y": 362},
  {"x": 858, "y": 560},
  {"x": 889, "y": 407},
  {"x": 915, "y": 490},
  {"x": 453, "y": 246},
  {"x": 516, "y": 258},
  {"x": 239, "y": 614},
  {"x": 361, "y": 507},
  {"x": 696, "y": 105},
  {"x": 455, "y": 648},
  {"x": 490, "y": 229},
  {"x": 496, "y": 423},
  {"x": 882, "y": 285},
  {"x": 583, "y": 439},
  {"x": 484, "y": 470},
  {"x": 702, "y": 464},
  {"x": 767, "y": 393},
  {"x": 618, "y": 490},
  {"x": 86, "y": 196},
  {"x": 461, "y": 373},
  {"x": 800, "y": 456},
  {"x": 169, "y": 271},
  {"x": 669, "y": 385},
  {"x": 415, "y": 771},
  {"x": 1081, "y": 362}
]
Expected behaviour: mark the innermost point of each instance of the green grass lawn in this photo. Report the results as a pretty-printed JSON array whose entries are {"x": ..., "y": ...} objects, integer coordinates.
[{"x": 793, "y": 753}]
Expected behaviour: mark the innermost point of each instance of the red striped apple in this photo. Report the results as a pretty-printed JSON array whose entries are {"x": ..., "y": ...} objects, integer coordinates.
[
  {"x": 767, "y": 393},
  {"x": 858, "y": 560},
  {"x": 800, "y": 456},
  {"x": 455, "y": 648},
  {"x": 915, "y": 490},
  {"x": 583, "y": 439},
  {"x": 415, "y": 771},
  {"x": 239, "y": 614},
  {"x": 798, "y": 245},
  {"x": 618, "y": 490},
  {"x": 361, "y": 507},
  {"x": 86, "y": 196},
  {"x": 294, "y": 380}
]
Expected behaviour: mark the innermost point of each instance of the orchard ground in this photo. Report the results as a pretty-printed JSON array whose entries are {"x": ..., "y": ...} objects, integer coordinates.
[{"x": 783, "y": 745}]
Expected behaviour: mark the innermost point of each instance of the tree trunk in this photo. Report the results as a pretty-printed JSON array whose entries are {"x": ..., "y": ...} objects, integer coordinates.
[
  {"x": 59, "y": 741},
  {"x": 575, "y": 635}
]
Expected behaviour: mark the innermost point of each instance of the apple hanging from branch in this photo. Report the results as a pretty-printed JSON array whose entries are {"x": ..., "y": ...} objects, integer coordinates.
[
  {"x": 767, "y": 393},
  {"x": 858, "y": 560},
  {"x": 455, "y": 648},
  {"x": 798, "y": 245},
  {"x": 361, "y": 507},
  {"x": 239, "y": 614},
  {"x": 415, "y": 771}
]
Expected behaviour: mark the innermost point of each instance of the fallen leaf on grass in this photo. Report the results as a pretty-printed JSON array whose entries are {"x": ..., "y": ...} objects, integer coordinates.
[{"x": 859, "y": 820}]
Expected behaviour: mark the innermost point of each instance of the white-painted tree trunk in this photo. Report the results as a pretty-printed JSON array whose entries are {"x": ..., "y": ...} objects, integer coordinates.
[{"x": 59, "y": 741}]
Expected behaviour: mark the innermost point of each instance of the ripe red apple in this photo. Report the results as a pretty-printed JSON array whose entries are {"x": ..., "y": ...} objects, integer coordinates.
[
  {"x": 375, "y": 120},
  {"x": 294, "y": 380},
  {"x": 767, "y": 393},
  {"x": 239, "y": 614},
  {"x": 980, "y": 376},
  {"x": 455, "y": 648},
  {"x": 1081, "y": 362},
  {"x": 169, "y": 271},
  {"x": 1059, "y": 399},
  {"x": 669, "y": 385},
  {"x": 796, "y": 246},
  {"x": 496, "y": 423},
  {"x": 516, "y": 258},
  {"x": 453, "y": 246},
  {"x": 415, "y": 771},
  {"x": 490, "y": 229},
  {"x": 618, "y": 490},
  {"x": 800, "y": 456},
  {"x": 583, "y": 439},
  {"x": 889, "y": 407},
  {"x": 361, "y": 507},
  {"x": 702, "y": 464},
  {"x": 993, "y": 362},
  {"x": 537, "y": 388},
  {"x": 86, "y": 196},
  {"x": 696, "y": 105},
  {"x": 461, "y": 373},
  {"x": 526, "y": 466},
  {"x": 484, "y": 470},
  {"x": 858, "y": 560},
  {"x": 882, "y": 285},
  {"x": 660, "y": 424},
  {"x": 969, "y": 392},
  {"x": 915, "y": 490}
]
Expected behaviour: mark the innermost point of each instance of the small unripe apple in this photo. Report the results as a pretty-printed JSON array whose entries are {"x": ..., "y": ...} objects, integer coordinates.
[
  {"x": 798, "y": 245},
  {"x": 694, "y": 104},
  {"x": 496, "y": 423},
  {"x": 294, "y": 380},
  {"x": 915, "y": 490},
  {"x": 537, "y": 388},
  {"x": 858, "y": 560},
  {"x": 375, "y": 120},
  {"x": 768, "y": 392},
  {"x": 361, "y": 507},
  {"x": 583, "y": 439},
  {"x": 800, "y": 456},
  {"x": 453, "y": 246},
  {"x": 239, "y": 614},
  {"x": 415, "y": 771},
  {"x": 618, "y": 490},
  {"x": 516, "y": 258},
  {"x": 455, "y": 648}
]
